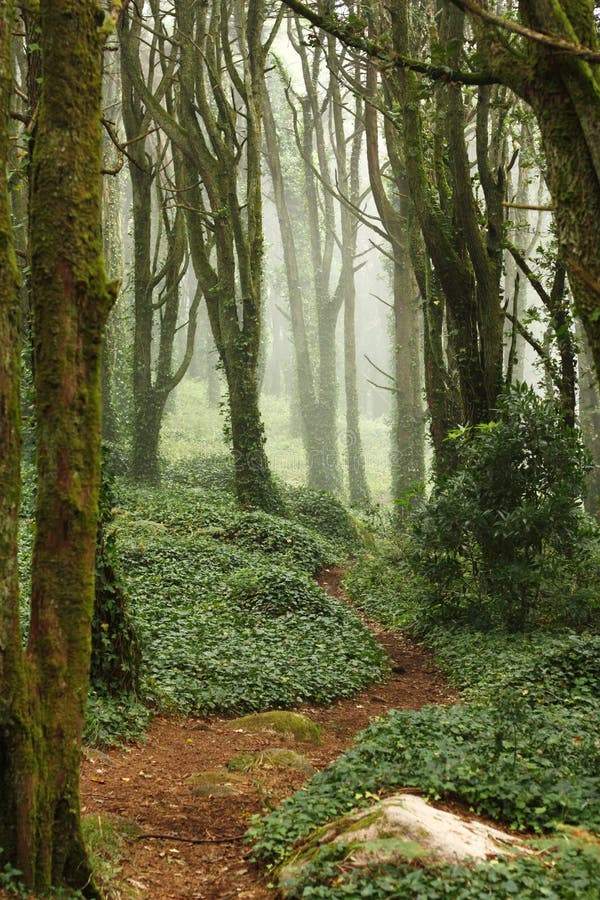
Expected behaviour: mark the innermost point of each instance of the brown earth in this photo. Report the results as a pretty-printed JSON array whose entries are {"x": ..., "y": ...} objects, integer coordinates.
[{"x": 190, "y": 845}]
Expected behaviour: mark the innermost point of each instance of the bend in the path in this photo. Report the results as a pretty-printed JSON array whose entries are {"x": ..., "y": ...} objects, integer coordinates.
[{"x": 150, "y": 785}]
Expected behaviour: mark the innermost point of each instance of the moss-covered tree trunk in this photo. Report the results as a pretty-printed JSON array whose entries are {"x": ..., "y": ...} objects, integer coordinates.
[
  {"x": 407, "y": 446},
  {"x": 71, "y": 301},
  {"x": 589, "y": 420},
  {"x": 15, "y": 747}
]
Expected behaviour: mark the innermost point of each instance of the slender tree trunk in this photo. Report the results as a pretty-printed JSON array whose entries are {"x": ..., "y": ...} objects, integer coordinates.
[
  {"x": 589, "y": 420},
  {"x": 304, "y": 395},
  {"x": 144, "y": 461},
  {"x": 408, "y": 468},
  {"x": 357, "y": 477},
  {"x": 113, "y": 256}
]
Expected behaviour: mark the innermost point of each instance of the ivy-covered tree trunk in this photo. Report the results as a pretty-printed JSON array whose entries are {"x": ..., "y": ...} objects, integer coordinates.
[
  {"x": 589, "y": 420},
  {"x": 71, "y": 301},
  {"x": 116, "y": 653}
]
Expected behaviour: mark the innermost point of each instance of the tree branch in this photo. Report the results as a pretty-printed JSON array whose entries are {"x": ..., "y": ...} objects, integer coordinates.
[
  {"x": 552, "y": 41},
  {"x": 386, "y": 57}
]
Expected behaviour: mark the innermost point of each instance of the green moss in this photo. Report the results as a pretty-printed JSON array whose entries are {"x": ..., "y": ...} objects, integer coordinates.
[
  {"x": 272, "y": 758},
  {"x": 215, "y": 783},
  {"x": 292, "y": 726},
  {"x": 363, "y": 822}
]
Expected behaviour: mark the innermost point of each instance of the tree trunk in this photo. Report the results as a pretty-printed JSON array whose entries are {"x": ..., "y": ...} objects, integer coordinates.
[
  {"x": 589, "y": 420},
  {"x": 116, "y": 654},
  {"x": 16, "y": 759},
  {"x": 71, "y": 304},
  {"x": 254, "y": 484},
  {"x": 357, "y": 477},
  {"x": 408, "y": 467}
]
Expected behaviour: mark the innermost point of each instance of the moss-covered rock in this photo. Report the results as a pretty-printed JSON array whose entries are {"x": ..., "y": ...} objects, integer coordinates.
[
  {"x": 290, "y": 725},
  {"x": 272, "y": 758},
  {"x": 215, "y": 783},
  {"x": 402, "y": 828}
]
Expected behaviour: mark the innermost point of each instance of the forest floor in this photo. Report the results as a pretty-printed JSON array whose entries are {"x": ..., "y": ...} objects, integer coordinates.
[{"x": 184, "y": 844}]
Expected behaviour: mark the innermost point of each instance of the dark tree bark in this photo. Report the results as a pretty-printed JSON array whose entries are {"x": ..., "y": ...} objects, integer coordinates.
[{"x": 116, "y": 652}]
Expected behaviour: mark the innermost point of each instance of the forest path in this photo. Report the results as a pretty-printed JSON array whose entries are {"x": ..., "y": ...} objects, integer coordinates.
[{"x": 149, "y": 786}]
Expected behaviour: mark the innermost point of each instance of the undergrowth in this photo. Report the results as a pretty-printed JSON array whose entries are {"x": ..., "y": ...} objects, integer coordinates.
[
  {"x": 523, "y": 750},
  {"x": 224, "y": 603},
  {"x": 228, "y": 617}
]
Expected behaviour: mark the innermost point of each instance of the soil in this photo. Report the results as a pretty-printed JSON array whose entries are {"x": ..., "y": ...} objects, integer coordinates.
[{"x": 189, "y": 845}]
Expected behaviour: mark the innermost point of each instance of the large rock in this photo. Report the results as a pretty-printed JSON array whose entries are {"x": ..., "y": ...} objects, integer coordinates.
[
  {"x": 290, "y": 725},
  {"x": 402, "y": 828}
]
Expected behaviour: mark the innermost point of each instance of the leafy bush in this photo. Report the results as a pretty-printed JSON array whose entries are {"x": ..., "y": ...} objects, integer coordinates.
[
  {"x": 214, "y": 472},
  {"x": 323, "y": 512},
  {"x": 504, "y": 539},
  {"x": 261, "y": 531},
  {"x": 228, "y": 618},
  {"x": 114, "y": 720},
  {"x": 275, "y": 591},
  {"x": 384, "y": 586},
  {"x": 530, "y": 775}
]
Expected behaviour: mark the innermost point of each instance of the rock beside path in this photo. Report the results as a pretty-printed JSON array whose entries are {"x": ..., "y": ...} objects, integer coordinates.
[
  {"x": 290, "y": 725},
  {"x": 402, "y": 828}
]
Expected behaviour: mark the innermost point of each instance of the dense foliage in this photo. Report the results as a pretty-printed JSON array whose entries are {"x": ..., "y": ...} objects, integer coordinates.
[
  {"x": 228, "y": 615},
  {"x": 523, "y": 750},
  {"x": 503, "y": 540}
]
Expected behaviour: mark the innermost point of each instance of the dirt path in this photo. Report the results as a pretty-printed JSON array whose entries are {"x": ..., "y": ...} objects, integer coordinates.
[{"x": 150, "y": 785}]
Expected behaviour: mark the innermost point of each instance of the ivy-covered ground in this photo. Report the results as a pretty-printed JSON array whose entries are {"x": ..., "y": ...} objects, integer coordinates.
[
  {"x": 228, "y": 615},
  {"x": 522, "y": 748}
]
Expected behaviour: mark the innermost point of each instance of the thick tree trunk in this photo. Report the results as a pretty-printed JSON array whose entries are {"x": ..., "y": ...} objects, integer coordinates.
[
  {"x": 254, "y": 483},
  {"x": 16, "y": 759},
  {"x": 71, "y": 304}
]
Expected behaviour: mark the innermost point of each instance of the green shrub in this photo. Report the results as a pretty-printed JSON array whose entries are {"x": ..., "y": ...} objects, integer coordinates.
[
  {"x": 276, "y": 591},
  {"x": 529, "y": 774},
  {"x": 384, "y": 586},
  {"x": 228, "y": 619},
  {"x": 213, "y": 473},
  {"x": 323, "y": 512},
  {"x": 112, "y": 720},
  {"x": 261, "y": 531},
  {"x": 504, "y": 540}
]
